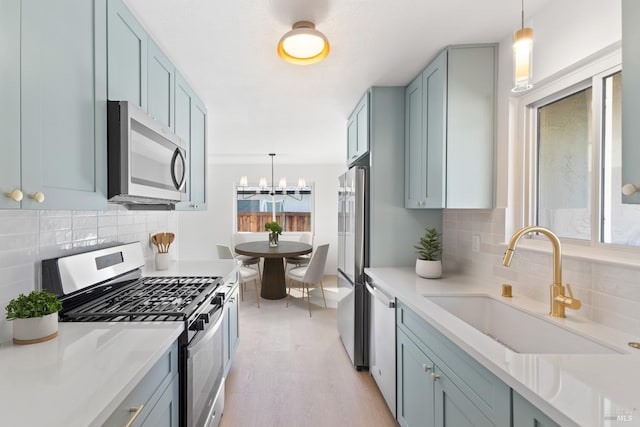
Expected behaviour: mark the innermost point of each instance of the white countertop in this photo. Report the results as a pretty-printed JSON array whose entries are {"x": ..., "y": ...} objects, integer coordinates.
[
  {"x": 80, "y": 377},
  {"x": 572, "y": 389}
]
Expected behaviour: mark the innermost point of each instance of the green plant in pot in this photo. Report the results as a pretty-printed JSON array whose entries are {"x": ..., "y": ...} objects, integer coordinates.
[
  {"x": 34, "y": 317},
  {"x": 274, "y": 231},
  {"x": 429, "y": 249}
]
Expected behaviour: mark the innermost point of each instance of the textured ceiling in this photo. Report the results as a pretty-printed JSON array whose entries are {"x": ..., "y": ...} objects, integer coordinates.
[{"x": 258, "y": 104}]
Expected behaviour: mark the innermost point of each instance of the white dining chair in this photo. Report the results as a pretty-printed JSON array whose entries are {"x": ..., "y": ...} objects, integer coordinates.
[
  {"x": 310, "y": 275},
  {"x": 246, "y": 260},
  {"x": 300, "y": 260},
  {"x": 246, "y": 274}
]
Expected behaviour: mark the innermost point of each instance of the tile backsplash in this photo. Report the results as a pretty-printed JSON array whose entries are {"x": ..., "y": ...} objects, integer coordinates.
[
  {"x": 26, "y": 237},
  {"x": 610, "y": 293}
]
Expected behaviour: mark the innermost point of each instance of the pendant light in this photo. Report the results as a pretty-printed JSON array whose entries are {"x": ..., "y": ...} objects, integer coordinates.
[
  {"x": 304, "y": 44},
  {"x": 522, "y": 57}
]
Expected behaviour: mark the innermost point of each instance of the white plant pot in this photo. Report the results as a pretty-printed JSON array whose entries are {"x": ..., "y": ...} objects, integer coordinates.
[
  {"x": 35, "y": 329},
  {"x": 429, "y": 269}
]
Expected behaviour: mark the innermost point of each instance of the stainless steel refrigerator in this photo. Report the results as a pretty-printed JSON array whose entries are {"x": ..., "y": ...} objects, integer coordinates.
[
  {"x": 352, "y": 258},
  {"x": 374, "y": 227}
]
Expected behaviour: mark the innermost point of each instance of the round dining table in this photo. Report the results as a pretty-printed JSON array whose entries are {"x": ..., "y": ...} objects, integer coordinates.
[{"x": 274, "y": 284}]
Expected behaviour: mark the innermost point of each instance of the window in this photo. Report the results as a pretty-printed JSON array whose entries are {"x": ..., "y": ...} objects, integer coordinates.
[
  {"x": 575, "y": 150},
  {"x": 291, "y": 208}
]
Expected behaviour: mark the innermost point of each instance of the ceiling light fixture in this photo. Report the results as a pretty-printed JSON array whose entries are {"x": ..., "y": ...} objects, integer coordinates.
[
  {"x": 522, "y": 57},
  {"x": 304, "y": 44}
]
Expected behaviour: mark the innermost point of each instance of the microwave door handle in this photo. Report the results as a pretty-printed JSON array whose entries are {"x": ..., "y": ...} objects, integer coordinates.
[{"x": 178, "y": 155}]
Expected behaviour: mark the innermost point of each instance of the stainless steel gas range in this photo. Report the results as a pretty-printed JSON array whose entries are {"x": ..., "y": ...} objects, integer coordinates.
[{"x": 106, "y": 285}]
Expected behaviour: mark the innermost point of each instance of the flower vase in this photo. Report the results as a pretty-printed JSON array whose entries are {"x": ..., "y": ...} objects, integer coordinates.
[{"x": 273, "y": 240}]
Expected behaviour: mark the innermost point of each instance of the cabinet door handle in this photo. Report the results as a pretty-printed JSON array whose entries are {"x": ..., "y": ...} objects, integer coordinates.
[
  {"x": 38, "y": 197},
  {"x": 435, "y": 377},
  {"x": 136, "y": 411},
  {"x": 426, "y": 367},
  {"x": 16, "y": 195}
]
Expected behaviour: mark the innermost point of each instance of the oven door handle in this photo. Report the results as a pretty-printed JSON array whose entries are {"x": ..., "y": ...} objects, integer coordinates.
[{"x": 206, "y": 333}]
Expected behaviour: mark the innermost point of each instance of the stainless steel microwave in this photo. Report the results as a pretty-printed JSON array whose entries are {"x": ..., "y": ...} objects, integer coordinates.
[{"x": 147, "y": 163}]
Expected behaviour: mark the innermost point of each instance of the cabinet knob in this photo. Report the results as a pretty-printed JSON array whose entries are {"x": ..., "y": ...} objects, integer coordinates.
[
  {"x": 435, "y": 377},
  {"x": 16, "y": 195},
  {"x": 426, "y": 368},
  {"x": 629, "y": 189},
  {"x": 38, "y": 197}
]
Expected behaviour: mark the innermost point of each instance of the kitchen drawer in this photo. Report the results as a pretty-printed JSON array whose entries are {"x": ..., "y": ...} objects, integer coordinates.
[
  {"x": 148, "y": 391},
  {"x": 483, "y": 388}
]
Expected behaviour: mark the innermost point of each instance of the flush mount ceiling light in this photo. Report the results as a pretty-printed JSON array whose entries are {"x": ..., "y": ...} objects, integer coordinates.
[
  {"x": 303, "y": 45},
  {"x": 522, "y": 57}
]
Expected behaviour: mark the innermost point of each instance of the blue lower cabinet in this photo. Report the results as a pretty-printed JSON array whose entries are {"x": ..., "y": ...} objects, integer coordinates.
[
  {"x": 527, "y": 415},
  {"x": 415, "y": 391},
  {"x": 453, "y": 408},
  {"x": 154, "y": 401},
  {"x": 440, "y": 385},
  {"x": 165, "y": 413}
]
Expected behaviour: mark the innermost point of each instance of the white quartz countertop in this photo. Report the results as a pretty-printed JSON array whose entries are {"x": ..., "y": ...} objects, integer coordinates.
[
  {"x": 572, "y": 389},
  {"x": 81, "y": 376}
]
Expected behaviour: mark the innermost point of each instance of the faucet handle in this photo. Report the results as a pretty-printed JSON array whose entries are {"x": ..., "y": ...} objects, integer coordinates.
[
  {"x": 569, "y": 290},
  {"x": 570, "y": 301}
]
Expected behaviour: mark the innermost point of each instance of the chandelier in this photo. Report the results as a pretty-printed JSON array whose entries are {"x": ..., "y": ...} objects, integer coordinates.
[{"x": 246, "y": 192}]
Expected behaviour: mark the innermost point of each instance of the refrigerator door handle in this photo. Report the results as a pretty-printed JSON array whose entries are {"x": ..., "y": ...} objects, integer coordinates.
[{"x": 381, "y": 295}]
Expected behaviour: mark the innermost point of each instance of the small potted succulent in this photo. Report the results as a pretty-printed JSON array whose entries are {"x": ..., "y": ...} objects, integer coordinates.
[
  {"x": 34, "y": 317},
  {"x": 274, "y": 230},
  {"x": 429, "y": 249}
]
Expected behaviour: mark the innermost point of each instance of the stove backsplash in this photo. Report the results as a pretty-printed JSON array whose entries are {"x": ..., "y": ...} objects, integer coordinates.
[{"x": 26, "y": 237}]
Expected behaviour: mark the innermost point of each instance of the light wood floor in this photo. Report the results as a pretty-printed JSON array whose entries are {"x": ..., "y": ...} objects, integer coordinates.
[{"x": 292, "y": 370}]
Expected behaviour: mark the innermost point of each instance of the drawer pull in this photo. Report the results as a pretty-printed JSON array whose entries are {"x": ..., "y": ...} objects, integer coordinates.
[
  {"x": 426, "y": 368},
  {"x": 136, "y": 411},
  {"x": 435, "y": 377},
  {"x": 16, "y": 195}
]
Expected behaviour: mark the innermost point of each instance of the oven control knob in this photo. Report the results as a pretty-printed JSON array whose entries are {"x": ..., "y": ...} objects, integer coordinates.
[
  {"x": 218, "y": 299},
  {"x": 204, "y": 316},
  {"x": 197, "y": 325}
]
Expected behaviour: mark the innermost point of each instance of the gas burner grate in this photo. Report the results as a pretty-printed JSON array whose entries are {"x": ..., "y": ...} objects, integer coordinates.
[{"x": 148, "y": 299}]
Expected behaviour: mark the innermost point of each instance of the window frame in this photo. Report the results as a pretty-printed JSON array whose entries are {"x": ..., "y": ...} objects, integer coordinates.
[
  {"x": 522, "y": 188},
  {"x": 309, "y": 189}
]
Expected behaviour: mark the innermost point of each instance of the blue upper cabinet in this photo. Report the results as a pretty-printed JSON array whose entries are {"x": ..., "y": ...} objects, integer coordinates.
[
  {"x": 190, "y": 126},
  {"x": 358, "y": 131},
  {"x": 9, "y": 107},
  {"x": 160, "y": 85},
  {"x": 450, "y": 130},
  {"x": 127, "y": 56},
  {"x": 631, "y": 97},
  {"x": 63, "y": 104},
  {"x": 425, "y": 103}
]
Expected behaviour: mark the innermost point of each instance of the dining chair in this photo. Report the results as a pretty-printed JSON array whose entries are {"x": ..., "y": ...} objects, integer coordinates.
[
  {"x": 310, "y": 275},
  {"x": 300, "y": 260},
  {"x": 246, "y": 274},
  {"x": 246, "y": 260}
]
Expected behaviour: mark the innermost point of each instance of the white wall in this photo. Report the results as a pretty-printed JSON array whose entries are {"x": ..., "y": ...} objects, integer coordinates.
[{"x": 199, "y": 232}]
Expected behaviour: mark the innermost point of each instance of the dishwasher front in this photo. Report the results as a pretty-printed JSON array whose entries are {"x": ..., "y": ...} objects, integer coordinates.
[{"x": 382, "y": 343}]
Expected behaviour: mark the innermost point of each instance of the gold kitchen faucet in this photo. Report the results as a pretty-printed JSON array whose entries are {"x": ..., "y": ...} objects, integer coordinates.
[{"x": 557, "y": 298}]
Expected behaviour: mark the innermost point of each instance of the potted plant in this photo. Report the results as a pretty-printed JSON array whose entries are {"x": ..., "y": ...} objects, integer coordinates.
[
  {"x": 274, "y": 230},
  {"x": 428, "y": 264},
  {"x": 34, "y": 317}
]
